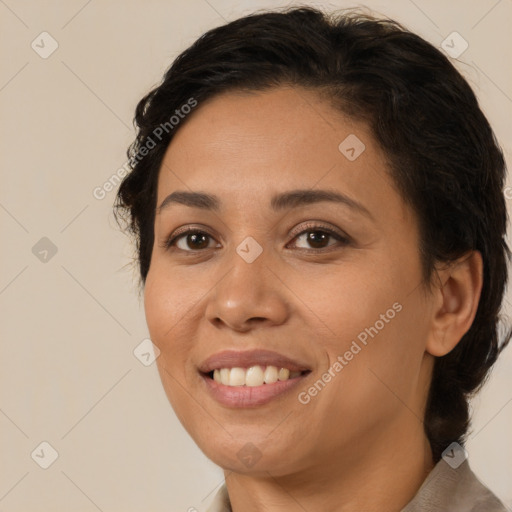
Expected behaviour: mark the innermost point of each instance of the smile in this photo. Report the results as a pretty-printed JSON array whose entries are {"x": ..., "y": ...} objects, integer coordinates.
[
  {"x": 253, "y": 376},
  {"x": 250, "y": 378}
]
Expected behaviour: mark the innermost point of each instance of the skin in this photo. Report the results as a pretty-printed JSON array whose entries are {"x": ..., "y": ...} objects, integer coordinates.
[{"x": 358, "y": 444}]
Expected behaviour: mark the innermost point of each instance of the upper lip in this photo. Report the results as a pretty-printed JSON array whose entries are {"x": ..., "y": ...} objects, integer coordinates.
[{"x": 248, "y": 358}]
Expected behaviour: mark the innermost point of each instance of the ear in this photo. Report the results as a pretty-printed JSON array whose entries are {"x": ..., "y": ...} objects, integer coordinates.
[{"x": 455, "y": 301}]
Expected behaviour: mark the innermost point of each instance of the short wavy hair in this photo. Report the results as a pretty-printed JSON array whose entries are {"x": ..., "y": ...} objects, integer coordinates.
[{"x": 442, "y": 154}]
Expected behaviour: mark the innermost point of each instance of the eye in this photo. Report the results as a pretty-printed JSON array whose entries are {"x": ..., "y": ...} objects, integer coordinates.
[
  {"x": 318, "y": 236},
  {"x": 189, "y": 240},
  {"x": 195, "y": 240}
]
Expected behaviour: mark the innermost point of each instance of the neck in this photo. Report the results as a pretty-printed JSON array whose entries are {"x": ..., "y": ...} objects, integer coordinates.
[{"x": 385, "y": 477}]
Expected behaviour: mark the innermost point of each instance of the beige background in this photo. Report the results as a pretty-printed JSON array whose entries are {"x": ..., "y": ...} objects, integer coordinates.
[{"x": 69, "y": 324}]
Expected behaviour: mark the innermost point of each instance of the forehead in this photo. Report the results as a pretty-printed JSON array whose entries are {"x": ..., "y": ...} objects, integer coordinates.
[{"x": 247, "y": 146}]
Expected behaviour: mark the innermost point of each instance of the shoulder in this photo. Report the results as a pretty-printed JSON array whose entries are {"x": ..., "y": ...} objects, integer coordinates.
[
  {"x": 474, "y": 495},
  {"x": 454, "y": 489}
]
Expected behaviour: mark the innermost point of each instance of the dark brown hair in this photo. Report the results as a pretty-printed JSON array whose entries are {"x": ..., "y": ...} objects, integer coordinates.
[{"x": 443, "y": 155}]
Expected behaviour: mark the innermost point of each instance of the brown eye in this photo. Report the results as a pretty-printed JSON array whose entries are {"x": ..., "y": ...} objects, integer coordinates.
[
  {"x": 318, "y": 238},
  {"x": 196, "y": 240},
  {"x": 190, "y": 240}
]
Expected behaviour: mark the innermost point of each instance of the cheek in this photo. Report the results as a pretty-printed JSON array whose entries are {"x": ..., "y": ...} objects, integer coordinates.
[
  {"x": 166, "y": 317},
  {"x": 168, "y": 300},
  {"x": 347, "y": 303},
  {"x": 375, "y": 333},
  {"x": 166, "y": 308}
]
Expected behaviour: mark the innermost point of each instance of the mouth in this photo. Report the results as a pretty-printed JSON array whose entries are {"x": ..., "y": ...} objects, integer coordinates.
[
  {"x": 253, "y": 376},
  {"x": 250, "y": 378}
]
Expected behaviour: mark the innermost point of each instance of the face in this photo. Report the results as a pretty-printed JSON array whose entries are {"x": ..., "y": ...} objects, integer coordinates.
[{"x": 325, "y": 283}]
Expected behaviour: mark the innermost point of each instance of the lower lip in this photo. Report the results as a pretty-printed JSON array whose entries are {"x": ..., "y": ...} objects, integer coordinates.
[{"x": 250, "y": 396}]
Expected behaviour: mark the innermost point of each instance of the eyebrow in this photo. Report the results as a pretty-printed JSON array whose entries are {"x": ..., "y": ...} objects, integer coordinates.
[{"x": 279, "y": 202}]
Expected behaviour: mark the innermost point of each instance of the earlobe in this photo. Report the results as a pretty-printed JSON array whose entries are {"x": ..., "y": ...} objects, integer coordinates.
[{"x": 455, "y": 303}]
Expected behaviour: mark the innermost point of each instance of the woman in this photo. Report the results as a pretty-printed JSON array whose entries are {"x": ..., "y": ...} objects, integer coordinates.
[{"x": 318, "y": 208}]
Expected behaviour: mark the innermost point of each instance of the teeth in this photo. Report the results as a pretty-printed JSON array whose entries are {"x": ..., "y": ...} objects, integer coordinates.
[
  {"x": 253, "y": 376},
  {"x": 270, "y": 375},
  {"x": 284, "y": 374},
  {"x": 237, "y": 377},
  {"x": 224, "y": 376}
]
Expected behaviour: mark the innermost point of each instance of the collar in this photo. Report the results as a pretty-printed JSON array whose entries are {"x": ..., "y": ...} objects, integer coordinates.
[{"x": 445, "y": 488}]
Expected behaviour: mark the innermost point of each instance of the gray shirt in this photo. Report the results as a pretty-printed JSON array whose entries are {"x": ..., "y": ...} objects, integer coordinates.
[{"x": 444, "y": 490}]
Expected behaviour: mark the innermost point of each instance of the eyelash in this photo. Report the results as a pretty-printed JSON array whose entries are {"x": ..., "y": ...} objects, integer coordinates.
[{"x": 343, "y": 240}]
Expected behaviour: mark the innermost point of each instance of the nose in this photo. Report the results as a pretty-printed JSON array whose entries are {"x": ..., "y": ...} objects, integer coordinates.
[{"x": 249, "y": 296}]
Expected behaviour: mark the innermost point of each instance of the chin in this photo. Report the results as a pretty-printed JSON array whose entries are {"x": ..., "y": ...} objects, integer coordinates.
[{"x": 247, "y": 450}]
